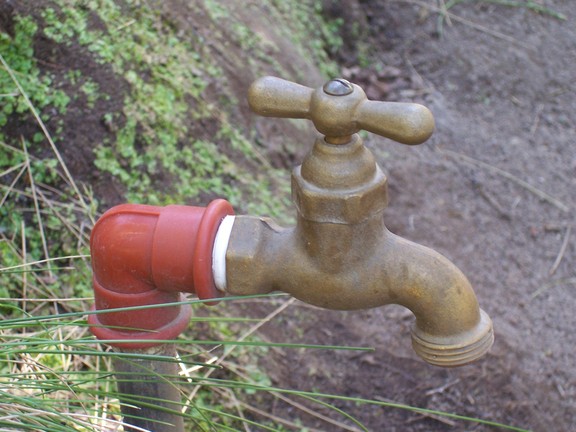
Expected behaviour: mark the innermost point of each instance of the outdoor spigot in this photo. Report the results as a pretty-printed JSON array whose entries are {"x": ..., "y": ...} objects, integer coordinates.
[{"x": 339, "y": 255}]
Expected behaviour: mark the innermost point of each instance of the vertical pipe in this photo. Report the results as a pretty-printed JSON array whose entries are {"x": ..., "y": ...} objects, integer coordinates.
[
  {"x": 144, "y": 256},
  {"x": 149, "y": 398}
]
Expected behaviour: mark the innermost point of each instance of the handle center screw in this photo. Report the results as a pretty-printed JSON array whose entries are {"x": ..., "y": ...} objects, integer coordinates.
[{"x": 338, "y": 87}]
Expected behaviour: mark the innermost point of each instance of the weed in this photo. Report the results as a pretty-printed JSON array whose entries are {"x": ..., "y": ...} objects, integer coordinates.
[
  {"x": 18, "y": 52},
  {"x": 38, "y": 204},
  {"x": 153, "y": 148}
]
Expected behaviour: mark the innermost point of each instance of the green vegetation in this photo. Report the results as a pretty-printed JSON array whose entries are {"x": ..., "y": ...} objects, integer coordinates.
[
  {"x": 152, "y": 147},
  {"x": 53, "y": 375},
  {"x": 19, "y": 53},
  {"x": 167, "y": 76},
  {"x": 41, "y": 211}
]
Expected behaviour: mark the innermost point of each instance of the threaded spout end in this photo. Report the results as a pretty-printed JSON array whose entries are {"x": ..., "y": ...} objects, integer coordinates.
[{"x": 457, "y": 350}]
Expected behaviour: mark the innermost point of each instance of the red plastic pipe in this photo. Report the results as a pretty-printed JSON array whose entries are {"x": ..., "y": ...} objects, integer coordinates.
[{"x": 146, "y": 255}]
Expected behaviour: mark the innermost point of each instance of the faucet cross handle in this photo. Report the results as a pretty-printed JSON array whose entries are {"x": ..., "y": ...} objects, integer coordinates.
[{"x": 339, "y": 109}]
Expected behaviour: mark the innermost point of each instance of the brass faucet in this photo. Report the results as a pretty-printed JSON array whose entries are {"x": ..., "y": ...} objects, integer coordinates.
[{"x": 340, "y": 255}]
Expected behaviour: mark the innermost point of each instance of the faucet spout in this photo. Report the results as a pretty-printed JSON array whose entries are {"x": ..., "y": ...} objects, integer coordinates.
[{"x": 450, "y": 328}]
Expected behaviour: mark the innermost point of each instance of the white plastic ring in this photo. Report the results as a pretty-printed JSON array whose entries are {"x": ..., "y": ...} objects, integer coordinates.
[{"x": 219, "y": 252}]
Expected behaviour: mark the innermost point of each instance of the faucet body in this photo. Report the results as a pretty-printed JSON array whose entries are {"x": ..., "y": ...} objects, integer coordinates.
[{"x": 339, "y": 255}]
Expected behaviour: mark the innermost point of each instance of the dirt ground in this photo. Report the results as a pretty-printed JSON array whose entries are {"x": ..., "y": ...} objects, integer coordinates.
[{"x": 493, "y": 190}]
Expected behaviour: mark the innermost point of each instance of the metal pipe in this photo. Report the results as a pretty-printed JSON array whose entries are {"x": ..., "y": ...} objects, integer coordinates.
[
  {"x": 141, "y": 256},
  {"x": 149, "y": 398}
]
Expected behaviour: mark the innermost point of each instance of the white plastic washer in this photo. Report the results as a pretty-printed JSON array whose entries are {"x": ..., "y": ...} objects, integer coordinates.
[{"x": 219, "y": 252}]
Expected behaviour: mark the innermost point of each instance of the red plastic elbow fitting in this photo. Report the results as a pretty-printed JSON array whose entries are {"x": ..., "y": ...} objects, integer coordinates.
[{"x": 145, "y": 255}]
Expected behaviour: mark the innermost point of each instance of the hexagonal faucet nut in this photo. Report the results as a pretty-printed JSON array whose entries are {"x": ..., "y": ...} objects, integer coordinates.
[
  {"x": 345, "y": 206},
  {"x": 247, "y": 240},
  {"x": 339, "y": 183}
]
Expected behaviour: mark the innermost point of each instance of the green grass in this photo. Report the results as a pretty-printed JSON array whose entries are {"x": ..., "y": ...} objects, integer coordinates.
[{"x": 55, "y": 376}]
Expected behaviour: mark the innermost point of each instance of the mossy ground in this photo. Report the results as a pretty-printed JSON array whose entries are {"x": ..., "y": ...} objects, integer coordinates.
[
  {"x": 141, "y": 106},
  {"x": 103, "y": 102}
]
